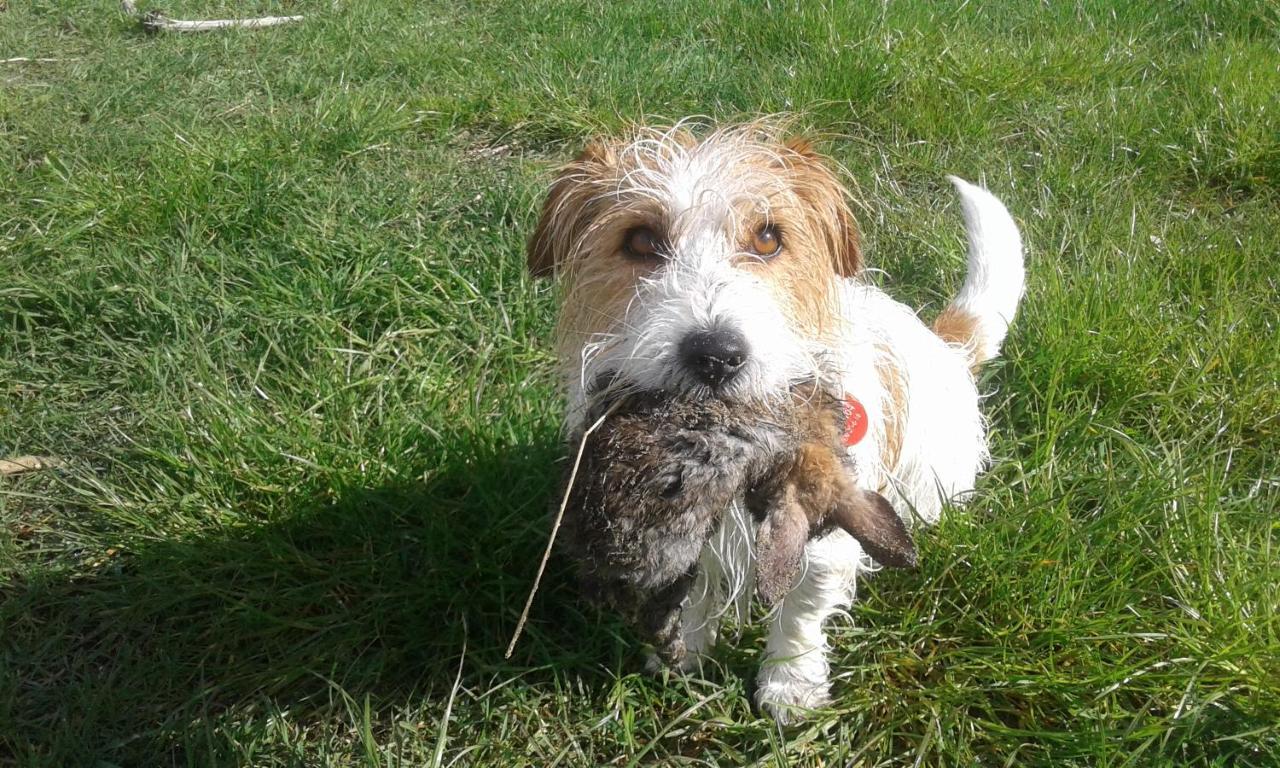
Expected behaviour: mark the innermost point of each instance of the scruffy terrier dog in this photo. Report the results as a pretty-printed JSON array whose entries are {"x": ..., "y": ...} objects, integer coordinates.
[{"x": 724, "y": 266}]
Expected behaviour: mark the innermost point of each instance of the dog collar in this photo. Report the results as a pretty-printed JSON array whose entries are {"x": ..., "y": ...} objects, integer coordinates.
[{"x": 855, "y": 421}]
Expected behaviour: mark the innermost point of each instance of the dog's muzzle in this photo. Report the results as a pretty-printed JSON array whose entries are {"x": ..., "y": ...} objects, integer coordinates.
[{"x": 715, "y": 356}]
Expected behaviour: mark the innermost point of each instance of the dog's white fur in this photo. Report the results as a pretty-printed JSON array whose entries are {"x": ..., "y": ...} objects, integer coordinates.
[{"x": 926, "y": 441}]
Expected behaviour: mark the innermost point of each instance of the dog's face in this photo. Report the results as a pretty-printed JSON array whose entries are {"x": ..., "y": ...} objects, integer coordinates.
[{"x": 704, "y": 266}]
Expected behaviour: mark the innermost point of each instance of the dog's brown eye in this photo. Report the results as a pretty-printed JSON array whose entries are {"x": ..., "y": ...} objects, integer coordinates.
[
  {"x": 642, "y": 243},
  {"x": 767, "y": 241}
]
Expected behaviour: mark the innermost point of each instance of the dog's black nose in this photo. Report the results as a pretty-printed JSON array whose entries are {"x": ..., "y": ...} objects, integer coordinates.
[{"x": 714, "y": 356}]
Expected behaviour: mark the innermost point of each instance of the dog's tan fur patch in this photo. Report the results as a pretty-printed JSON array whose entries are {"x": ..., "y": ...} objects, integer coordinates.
[{"x": 960, "y": 328}]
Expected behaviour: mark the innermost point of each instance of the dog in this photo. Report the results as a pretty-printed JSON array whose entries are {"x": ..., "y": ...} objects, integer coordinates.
[{"x": 725, "y": 264}]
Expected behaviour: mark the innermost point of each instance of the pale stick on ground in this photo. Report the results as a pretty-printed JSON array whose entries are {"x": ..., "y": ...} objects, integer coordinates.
[
  {"x": 555, "y": 526},
  {"x": 154, "y": 21}
]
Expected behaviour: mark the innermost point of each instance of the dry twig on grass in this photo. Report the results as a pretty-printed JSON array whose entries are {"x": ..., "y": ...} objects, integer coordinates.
[
  {"x": 555, "y": 527},
  {"x": 154, "y": 21},
  {"x": 21, "y": 464}
]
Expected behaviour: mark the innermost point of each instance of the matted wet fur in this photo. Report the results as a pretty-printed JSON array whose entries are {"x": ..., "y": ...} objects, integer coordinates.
[{"x": 657, "y": 476}]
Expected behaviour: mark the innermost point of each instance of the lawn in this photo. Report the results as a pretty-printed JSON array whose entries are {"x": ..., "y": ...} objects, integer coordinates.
[{"x": 262, "y": 295}]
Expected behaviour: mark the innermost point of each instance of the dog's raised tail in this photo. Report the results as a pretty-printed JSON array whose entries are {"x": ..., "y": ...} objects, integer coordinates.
[{"x": 979, "y": 316}]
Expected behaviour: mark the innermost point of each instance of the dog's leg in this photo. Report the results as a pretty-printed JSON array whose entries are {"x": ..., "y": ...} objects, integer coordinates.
[
  {"x": 794, "y": 674},
  {"x": 700, "y": 618}
]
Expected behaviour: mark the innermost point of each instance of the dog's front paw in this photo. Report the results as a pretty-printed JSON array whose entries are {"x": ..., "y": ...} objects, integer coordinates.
[{"x": 788, "y": 696}]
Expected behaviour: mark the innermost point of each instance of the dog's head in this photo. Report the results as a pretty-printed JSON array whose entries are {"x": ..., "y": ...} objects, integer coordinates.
[{"x": 704, "y": 265}]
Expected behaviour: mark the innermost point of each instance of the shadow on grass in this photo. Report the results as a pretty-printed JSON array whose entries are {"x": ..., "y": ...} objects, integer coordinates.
[{"x": 372, "y": 593}]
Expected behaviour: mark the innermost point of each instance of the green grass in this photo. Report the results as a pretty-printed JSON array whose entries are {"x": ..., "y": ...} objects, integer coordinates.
[{"x": 263, "y": 293}]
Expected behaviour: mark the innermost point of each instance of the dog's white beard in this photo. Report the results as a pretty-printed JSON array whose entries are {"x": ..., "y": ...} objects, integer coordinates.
[{"x": 642, "y": 353}]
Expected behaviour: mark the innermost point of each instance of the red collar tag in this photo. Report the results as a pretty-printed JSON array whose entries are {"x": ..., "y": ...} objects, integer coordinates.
[{"x": 855, "y": 421}]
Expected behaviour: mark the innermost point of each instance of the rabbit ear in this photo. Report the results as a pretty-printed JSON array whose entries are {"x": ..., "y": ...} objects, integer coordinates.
[
  {"x": 780, "y": 543},
  {"x": 869, "y": 517}
]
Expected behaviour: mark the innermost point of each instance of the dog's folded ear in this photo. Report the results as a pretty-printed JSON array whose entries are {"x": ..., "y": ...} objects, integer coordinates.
[
  {"x": 869, "y": 517},
  {"x": 818, "y": 185},
  {"x": 569, "y": 208}
]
